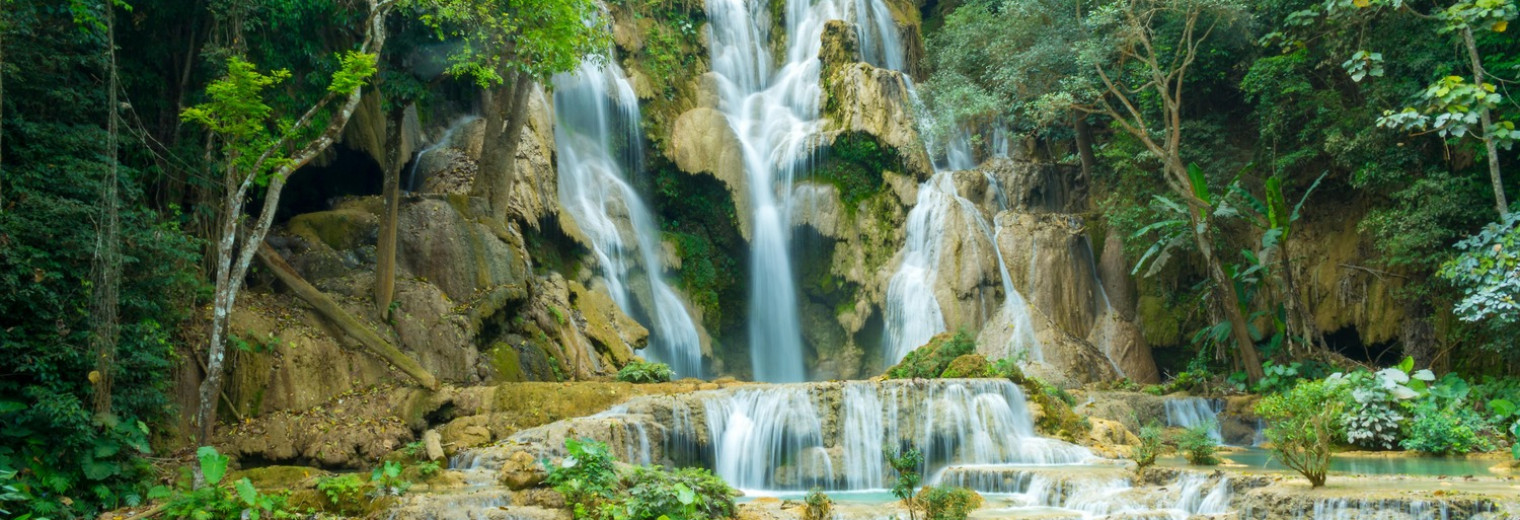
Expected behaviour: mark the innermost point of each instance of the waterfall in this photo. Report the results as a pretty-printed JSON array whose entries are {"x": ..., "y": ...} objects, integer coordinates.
[
  {"x": 1188, "y": 412},
  {"x": 596, "y": 138},
  {"x": 774, "y": 112},
  {"x": 782, "y": 437}
]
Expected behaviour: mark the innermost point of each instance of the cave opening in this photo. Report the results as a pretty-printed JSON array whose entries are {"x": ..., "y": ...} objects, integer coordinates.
[
  {"x": 1347, "y": 341},
  {"x": 348, "y": 172}
]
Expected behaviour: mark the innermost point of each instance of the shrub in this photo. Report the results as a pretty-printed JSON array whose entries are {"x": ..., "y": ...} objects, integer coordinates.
[
  {"x": 682, "y": 494},
  {"x": 818, "y": 506},
  {"x": 214, "y": 501},
  {"x": 1198, "y": 445},
  {"x": 1376, "y": 410},
  {"x": 947, "y": 503},
  {"x": 1445, "y": 430},
  {"x": 1302, "y": 424},
  {"x": 645, "y": 372},
  {"x": 586, "y": 477},
  {"x": 1150, "y": 446},
  {"x": 905, "y": 463},
  {"x": 387, "y": 479},
  {"x": 1008, "y": 368}
]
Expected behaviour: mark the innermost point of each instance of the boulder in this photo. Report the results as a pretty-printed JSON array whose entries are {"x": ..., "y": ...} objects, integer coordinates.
[{"x": 520, "y": 471}]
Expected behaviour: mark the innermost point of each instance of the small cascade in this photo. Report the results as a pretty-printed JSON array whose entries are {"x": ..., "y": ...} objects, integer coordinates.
[
  {"x": 596, "y": 137},
  {"x": 1094, "y": 490},
  {"x": 412, "y": 181},
  {"x": 634, "y": 436},
  {"x": 1382, "y": 509},
  {"x": 1189, "y": 412},
  {"x": 778, "y": 438}
]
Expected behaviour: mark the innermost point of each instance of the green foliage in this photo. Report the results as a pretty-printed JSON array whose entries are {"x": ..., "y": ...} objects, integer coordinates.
[
  {"x": 1151, "y": 438},
  {"x": 586, "y": 477},
  {"x": 680, "y": 494},
  {"x": 699, "y": 216},
  {"x": 905, "y": 463},
  {"x": 387, "y": 479},
  {"x": 429, "y": 468},
  {"x": 645, "y": 372},
  {"x": 496, "y": 39},
  {"x": 1451, "y": 429},
  {"x": 854, "y": 164},
  {"x": 1198, "y": 445},
  {"x": 344, "y": 492},
  {"x": 1302, "y": 425},
  {"x": 1487, "y": 271},
  {"x": 817, "y": 506},
  {"x": 947, "y": 503},
  {"x": 1008, "y": 368},
  {"x": 931, "y": 360},
  {"x": 590, "y": 483},
  {"x": 214, "y": 501}
]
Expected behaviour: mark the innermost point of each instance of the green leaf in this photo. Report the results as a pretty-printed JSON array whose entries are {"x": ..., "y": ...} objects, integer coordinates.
[
  {"x": 11, "y": 406},
  {"x": 213, "y": 464},
  {"x": 246, "y": 493},
  {"x": 1407, "y": 365},
  {"x": 1199, "y": 183},
  {"x": 1501, "y": 407},
  {"x": 685, "y": 495},
  {"x": 96, "y": 470}
]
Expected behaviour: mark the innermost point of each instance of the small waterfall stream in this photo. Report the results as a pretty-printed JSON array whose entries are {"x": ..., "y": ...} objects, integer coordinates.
[
  {"x": 596, "y": 111},
  {"x": 1190, "y": 412}
]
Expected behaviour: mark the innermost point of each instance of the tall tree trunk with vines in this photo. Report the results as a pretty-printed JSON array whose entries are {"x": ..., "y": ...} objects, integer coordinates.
[{"x": 107, "y": 262}]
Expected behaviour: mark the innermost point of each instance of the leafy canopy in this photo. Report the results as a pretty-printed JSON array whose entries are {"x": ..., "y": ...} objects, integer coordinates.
[{"x": 499, "y": 38}]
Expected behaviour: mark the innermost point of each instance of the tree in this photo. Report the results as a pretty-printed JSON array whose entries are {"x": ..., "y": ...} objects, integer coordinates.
[
  {"x": 253, "y": 153},
  {"x": 107, "y": 264},
  {"x": 506, "y": 46},
  {"x": 1487, "y": 271},
  {"x": 1451, "y": 106},
  {"x": 1142, "y": 64}
]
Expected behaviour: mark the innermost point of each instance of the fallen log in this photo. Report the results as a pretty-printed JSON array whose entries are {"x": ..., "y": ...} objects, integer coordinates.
[{"x": 346, "y": 322}]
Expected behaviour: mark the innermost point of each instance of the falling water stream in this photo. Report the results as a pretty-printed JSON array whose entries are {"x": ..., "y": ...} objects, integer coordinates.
[{"x": 596, "y": 111}]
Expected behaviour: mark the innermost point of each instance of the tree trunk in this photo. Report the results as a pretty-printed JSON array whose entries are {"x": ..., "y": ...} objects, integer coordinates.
[
  {"x": 385, "y": 249},
  {"x": 340, "y": 318},
  {"x": 505, "y": 114},
  {"x": 229, "y": 275},
  {"x": 103, "y": 311},
  {"x": 1224, "y": 294},
  {"x": 1488, "y": 128},
  {"x": 1085, "y": 152},
  {"x": 501, "y": 195}
]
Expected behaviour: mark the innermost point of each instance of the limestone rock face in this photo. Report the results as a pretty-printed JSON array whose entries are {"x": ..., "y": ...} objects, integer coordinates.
[
  {"x": 861, "y": 98},
  {"x": 1050, "y": 262},
  {"x": 702, "y": 142},
  {"x": 441, "y": 244}
]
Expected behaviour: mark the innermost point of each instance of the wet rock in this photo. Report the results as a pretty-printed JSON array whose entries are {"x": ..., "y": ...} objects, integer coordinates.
[
  {"x": 521, "y": 471},
  {"x": 702, "y": 142}
]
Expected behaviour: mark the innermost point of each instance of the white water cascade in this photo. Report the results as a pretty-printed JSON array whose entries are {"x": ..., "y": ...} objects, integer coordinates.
[
  {"x": 1190, "y": 412},
  {"x": 596, "y": 111},
  {"x": 774, "y": 111},
  {"x": 784, "y": 438}
]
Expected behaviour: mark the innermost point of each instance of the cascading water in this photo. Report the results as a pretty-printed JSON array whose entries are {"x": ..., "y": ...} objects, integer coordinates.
[
  {"x": 774, "y": 112},
  {"x": 1190, "y": 412},
  {"x": 443, "y": 140},
  {"x": 775, "y": 438},
  {"x": 595, "y": 110}
]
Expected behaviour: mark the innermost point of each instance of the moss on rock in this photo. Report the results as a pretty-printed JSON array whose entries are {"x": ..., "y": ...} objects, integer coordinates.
[{"x": 969, "y": 365}]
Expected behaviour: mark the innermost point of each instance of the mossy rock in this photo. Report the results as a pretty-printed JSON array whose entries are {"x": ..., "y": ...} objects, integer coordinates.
[
  {"x": 1158, "y": 324},
  {"x": 340, "y": 229},
  {"x": 931, "y": 360},
  {"x": 280, "y": 478},
  {"x": 969, "y": 365}
]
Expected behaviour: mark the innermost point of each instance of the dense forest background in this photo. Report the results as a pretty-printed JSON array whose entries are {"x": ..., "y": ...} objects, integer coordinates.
[{"x": 1180, "y": 113}]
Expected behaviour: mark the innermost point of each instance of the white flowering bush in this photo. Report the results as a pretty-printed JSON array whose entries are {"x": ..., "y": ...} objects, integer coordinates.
[{"x": 1377, "y": 403}]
